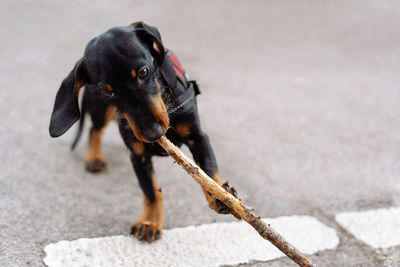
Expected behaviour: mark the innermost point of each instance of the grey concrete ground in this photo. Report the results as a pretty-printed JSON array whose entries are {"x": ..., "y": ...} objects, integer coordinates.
[{"x": 301, "y": 100}]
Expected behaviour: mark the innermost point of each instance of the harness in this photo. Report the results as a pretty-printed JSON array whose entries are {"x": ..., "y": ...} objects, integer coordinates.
[{"x": 183, "y": 102}]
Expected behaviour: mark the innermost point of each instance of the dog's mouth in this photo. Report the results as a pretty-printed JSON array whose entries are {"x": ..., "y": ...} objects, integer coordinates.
[
  {"x": 151, "y": 130},
  {"x": 149, "y": 134}
]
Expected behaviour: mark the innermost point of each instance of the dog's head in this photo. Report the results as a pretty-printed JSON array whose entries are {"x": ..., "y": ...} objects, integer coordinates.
[{"x": 124, "y": 65}]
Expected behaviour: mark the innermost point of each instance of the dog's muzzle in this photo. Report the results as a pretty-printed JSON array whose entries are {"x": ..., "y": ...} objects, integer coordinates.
[
  {"x": 151, "y": 129},
  {"x": 153, "y": 133}
]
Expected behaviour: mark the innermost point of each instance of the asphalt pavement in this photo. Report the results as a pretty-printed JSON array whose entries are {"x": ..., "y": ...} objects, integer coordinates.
[{"x": 301, "y": 100}]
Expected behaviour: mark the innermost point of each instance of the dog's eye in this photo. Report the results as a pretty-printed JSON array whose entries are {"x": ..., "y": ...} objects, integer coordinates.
[
  {"x": 108, "y": 93},
  {"x": 144, "y": 72},
  {"x": 105, "y": 90}
]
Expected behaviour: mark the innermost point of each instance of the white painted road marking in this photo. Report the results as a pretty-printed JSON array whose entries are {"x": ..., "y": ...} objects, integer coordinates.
[
  {"x": 204, "y": 245},
  {"x": 377, "y": 228}
]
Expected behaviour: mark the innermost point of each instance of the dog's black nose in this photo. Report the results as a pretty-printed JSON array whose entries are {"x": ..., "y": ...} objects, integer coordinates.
[{"x": 153, "y": 133}]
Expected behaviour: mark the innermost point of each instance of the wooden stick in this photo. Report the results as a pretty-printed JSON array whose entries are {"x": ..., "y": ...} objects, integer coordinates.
[{"x": 235, "y": 204}]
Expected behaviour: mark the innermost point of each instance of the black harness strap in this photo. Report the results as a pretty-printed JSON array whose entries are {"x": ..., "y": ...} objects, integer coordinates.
[{"x": 186, "y": 100}]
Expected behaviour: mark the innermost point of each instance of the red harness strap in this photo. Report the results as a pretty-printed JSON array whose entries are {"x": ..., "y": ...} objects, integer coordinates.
[{"x": 176, "y": 65}]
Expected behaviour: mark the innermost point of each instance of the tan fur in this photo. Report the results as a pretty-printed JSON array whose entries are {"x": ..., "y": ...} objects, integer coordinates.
[
  {"x": 95, "y": 148},
  {"x": 153, "y": 212},
  {"x": 79, "y": 85},
  {"x": 134, "y": 128},
  {"x": 109, "y": 87},
  {"x": 210, "y": 199},
  {"x": 111, "y": 114},
  {"x": 95, "y": 152},
  {"x": 138, "y": 148},
  {"x": 217, "y": 179},
  {"x": 133, "y": 73},
  {"x": 183, "y": 130},
  {"x": 159, "y": 110}
]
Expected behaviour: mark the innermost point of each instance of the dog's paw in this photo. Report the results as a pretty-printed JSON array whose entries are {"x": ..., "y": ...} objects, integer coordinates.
[
  {"x": 146, "y": 231},
  {"x": 95, "y": 165},
  {"x": 219, "y": 206},
  {"x": 148, "y": 227}
]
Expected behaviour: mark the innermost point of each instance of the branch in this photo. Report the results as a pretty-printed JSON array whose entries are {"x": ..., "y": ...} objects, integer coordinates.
[{"x": 235, "y": 204}]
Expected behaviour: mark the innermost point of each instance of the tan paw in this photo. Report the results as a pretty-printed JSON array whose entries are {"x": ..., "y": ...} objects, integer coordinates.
[
  {"x": 218, "y": 205},
  {"x": 150, "y": 224},
  {"x": 146, "y": 231}
]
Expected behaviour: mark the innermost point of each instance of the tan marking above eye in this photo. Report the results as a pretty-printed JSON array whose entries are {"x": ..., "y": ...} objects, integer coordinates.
[
  {"x": 152, "y": 59},
  {"x": 109, "y": 87},
  {"x": 133, "y": 73}
]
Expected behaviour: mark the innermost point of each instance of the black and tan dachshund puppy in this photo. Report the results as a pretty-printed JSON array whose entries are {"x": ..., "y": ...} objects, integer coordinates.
[{"x": 130, "y": 76}]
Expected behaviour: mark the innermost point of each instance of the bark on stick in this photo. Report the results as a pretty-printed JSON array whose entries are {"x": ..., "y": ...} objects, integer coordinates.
[{"x": 235, "y": 204}]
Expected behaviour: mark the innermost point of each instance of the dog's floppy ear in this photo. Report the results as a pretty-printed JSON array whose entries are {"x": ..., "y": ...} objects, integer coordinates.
[
  {"x": 66, "y": 108},
  {"x": 152, "y": 35},
  {"x": 150, "y": 29}
]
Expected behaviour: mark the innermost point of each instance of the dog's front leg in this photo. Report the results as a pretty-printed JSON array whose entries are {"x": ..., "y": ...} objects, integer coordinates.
[
  {"x": 149, "y": 225},
  {"x": 203, "y": 155}
]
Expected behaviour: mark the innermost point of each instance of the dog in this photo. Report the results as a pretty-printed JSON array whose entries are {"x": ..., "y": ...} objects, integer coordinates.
[{"x": 129, "y": 76}]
